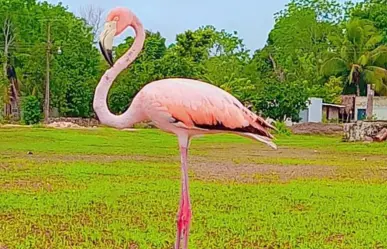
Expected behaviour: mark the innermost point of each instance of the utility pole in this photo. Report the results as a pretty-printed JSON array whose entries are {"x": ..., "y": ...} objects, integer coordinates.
[
  {"x": 47, "y": 94},
  {"x": 370, "y": 102}
]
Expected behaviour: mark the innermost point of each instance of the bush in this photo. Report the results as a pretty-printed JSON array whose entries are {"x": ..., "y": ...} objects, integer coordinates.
[
  {"x": 282, "y": 129},
  {"x": 31, "y": 110},
  {"x": 281, "y": 100}
]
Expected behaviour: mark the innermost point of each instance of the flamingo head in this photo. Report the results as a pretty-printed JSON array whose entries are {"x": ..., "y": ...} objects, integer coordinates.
[{"x": 116, "y": 22}]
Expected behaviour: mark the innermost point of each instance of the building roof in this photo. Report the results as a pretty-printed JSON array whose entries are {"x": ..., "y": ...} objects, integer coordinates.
[{"x": 333, "y": 105}]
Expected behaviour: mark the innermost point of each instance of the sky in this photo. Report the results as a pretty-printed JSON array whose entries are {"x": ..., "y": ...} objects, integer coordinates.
[{"x": 252, "y": 19}]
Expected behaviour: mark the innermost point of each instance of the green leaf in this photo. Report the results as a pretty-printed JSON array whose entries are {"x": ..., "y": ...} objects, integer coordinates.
[
  {"x": 334, "y": 66},
  {"x": 363, "y": 60},
  {"x": 377, "y": 76}
]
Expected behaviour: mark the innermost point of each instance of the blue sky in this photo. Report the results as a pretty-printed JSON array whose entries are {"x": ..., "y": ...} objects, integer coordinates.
[{"x": 253, "y": 19}]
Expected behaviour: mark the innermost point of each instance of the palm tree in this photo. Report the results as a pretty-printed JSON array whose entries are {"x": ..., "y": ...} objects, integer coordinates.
[{"x": 358, "y": 58}]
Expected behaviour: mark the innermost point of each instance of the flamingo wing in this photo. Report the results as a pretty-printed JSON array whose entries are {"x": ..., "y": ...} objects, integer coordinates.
[{"x": 196, "y": 105}]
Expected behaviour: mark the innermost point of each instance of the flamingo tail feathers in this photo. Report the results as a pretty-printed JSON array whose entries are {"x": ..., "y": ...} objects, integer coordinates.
[{"x": 259, "y": 138}]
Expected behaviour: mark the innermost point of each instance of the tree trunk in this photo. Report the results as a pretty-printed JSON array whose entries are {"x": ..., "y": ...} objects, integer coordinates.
[
  {"x": 9, "y": 38},
  {"x": 278, "y": 71},
  {"x": 370, "y": 102},
  {"x": 357, "y": 89}
]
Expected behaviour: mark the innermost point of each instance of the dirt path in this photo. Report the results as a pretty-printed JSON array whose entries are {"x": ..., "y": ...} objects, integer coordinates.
[{"x": 245, "y": 164}]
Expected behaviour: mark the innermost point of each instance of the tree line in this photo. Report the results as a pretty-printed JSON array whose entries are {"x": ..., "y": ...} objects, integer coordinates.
[{"x": 317, "y": 48}]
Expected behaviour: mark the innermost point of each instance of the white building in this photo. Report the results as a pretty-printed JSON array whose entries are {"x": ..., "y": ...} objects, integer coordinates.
[
  {"x": 379, "y": 110},
  {"x": 313, "y": 112},
  {"x": 317, "y": 111}
]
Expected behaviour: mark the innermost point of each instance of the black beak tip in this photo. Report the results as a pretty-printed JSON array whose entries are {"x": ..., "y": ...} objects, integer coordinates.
[
  {"x": 110, "y": 57},
  {"x": 107, "y": 54}
]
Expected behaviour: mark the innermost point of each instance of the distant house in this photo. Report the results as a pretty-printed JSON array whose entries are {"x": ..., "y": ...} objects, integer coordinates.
[
  {"x": 352, "y": 109},
  {"x": 333, "y": 112},
  {"x": 316, "y": 111},
  {"x": 313, "y": 111}
]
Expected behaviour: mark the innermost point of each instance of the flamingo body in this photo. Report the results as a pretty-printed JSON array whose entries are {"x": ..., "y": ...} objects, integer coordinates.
[
  {"x": 191, "y": 107},
  {"x": 184, "y": 107}
]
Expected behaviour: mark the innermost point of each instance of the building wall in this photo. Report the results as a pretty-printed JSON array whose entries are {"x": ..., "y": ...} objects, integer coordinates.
[
  {"x": 304, "y": 116},
  {"x": 380, "y": 113},
  {"x": 380, "y": 106},
  {"x": 333, "y": 112},
  {"x": 313, "y": 113},
  {"x": 315, "y": 110}
]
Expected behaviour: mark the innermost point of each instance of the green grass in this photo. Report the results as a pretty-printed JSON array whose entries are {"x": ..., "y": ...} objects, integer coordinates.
[{"x": 118, "y": 189}]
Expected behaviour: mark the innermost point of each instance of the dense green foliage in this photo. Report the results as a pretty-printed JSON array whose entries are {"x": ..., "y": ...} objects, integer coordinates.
[
  {"x": 31, "y": 110},
  {"x": 317, "y": 48},
  {"x": 73, "y": 72},
  {"x": 358, "y": 56}
]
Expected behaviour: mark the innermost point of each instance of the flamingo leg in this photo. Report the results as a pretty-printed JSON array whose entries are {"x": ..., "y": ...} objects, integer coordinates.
[
  {"x": 178, "y": 232},
  {"x": 184, "y": 215}
]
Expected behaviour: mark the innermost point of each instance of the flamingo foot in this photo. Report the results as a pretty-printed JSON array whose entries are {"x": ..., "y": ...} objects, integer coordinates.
[{"x": 183, "y": 224}]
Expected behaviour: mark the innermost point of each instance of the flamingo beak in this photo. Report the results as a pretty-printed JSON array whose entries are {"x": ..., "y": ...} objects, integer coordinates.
[{"x": 106, "y": 41}]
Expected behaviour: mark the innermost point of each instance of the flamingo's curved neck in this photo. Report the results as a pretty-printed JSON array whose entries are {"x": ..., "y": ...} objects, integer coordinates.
[{"x": 127, "y": 119}]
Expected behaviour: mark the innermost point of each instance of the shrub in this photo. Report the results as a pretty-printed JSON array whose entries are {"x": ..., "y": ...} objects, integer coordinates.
[
  {"x": 31, "y": 110},
  {"x": 282, "y": 129},
  {"x": 281, "y": 100}
]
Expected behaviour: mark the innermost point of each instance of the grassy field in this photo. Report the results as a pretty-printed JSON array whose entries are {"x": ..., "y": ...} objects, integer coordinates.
[{"x": 118, "y": 189}]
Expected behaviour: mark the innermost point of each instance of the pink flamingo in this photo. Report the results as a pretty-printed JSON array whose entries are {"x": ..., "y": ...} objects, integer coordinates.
[{"x": 184, "y": 107}]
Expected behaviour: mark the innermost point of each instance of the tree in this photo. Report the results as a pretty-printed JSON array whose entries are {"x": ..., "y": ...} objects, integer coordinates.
[
  {"x": 196, "y": 44},
  {"x": 220, "y": 70},
  {"x": 281, "y": 100},
  {"x": 297, "y": 44},
  {"x": 174, "y": 65},
  {"x": 93, "y": 18},
  {"x": 358, "y": 57},
  {"x": 74, "y": 73},
  {"x": 11, "y": 88},
  {"x": 374, "y": 11},
  {"x": 207, "y": 42},
  {"x": 300, "y": 30},
  {"x": 325, "y": 10}
]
